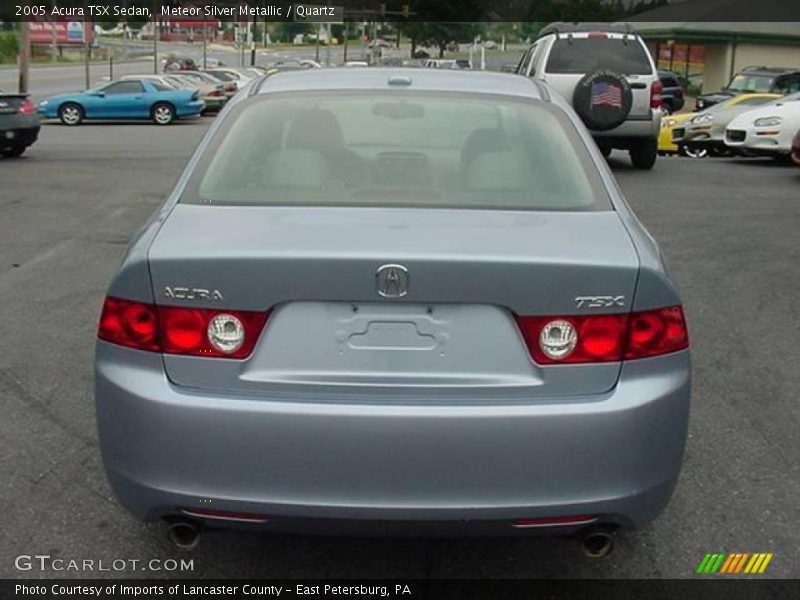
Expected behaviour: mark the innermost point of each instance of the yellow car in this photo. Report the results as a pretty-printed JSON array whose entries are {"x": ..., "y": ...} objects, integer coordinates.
[{"x": 668, "y": 123}]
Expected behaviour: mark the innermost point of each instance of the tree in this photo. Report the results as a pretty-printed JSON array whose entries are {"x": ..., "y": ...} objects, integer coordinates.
[{"x": 450, "y": 21}]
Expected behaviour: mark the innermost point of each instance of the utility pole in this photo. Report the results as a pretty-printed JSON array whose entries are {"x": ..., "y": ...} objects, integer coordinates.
[
  {"x": 155, "y": 38},
  {"x": 253, "y": 42},
  {"x": 24, "y": 56},
  {"x": 205, "y": 42},
  {"x": 87, "y": 55}
]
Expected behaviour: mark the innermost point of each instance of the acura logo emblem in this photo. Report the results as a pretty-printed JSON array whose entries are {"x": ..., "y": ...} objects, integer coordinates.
[{"x": 392, "y": 281}]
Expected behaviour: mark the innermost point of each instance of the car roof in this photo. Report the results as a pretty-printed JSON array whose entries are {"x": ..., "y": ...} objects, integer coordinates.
[
  {"x": 560, "y": 28},
  {"x": 377, "y": 78},
  {"x": 769, "y": 70}
]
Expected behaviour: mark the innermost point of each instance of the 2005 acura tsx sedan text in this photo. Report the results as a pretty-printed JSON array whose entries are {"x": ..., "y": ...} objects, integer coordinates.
[{"x": 394, "y": 301}]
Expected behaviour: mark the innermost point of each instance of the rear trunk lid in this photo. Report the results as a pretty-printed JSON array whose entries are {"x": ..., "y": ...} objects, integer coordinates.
[{"x": 453, "y": 335}]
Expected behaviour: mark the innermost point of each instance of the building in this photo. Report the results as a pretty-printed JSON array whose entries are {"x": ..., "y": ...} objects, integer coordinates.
[{"x": 712, "y": 52}]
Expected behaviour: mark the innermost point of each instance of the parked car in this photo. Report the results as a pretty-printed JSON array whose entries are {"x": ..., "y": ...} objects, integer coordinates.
[
  {"x": 177, "y": 62},
  {"x": 124, "y": 99},
  {"x": 213, "y": 93},
  {"x": 19, "y": 125},
  {"x": 796, "y": 148},
  {"x": 608, "y": 75},
  {"x": 397, "y": 300},
  {"x": 667, "y": 143},
  {"x": 767, "y": 80},
  {"x": 490, "y": 45},
  {"x": 705, "y": 131},
  {"x": 672, "y": 95},
  {"x": 767, "y": 130},
  {"x": 238, "y": 77},
  {"x": 447, "y": 63}
]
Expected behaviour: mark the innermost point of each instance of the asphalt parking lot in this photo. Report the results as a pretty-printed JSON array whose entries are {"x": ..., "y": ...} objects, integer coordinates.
[{"x": 729, "y": 229}]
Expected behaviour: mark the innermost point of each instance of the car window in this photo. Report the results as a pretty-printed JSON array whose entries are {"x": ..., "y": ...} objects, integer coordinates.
[
  {"x": 224, "y": 76},
  {"x": 584, "y": 55},
  {"x": 160, "y": 87},
  {"x": 787, "y": 85},
  {"x": 751, "y": 83},
  {"x": 415, "y": 149},
  {"x": 669, "y": 82},
  {"x": 124, "y": 87}
]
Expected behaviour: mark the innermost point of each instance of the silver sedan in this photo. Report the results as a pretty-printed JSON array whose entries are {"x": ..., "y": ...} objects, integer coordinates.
[{"x": 398, "y": 300}]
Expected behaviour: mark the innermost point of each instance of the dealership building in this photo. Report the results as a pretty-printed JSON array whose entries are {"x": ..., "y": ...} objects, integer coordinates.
[{"x": 715, "y": 51}]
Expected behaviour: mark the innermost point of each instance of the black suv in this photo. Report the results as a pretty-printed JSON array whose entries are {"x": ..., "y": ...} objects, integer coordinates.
[
  {"x": 773, "y": 80},
  {"x": 672, "y": 99}
]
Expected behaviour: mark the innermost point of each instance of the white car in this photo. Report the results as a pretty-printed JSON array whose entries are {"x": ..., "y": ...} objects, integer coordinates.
[
  {"x": 238, "y": 76},
  {"x": 767, "y": 130}
]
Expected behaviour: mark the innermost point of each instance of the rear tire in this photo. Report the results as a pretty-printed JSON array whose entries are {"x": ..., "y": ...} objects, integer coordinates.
[
  {"x": 644, "y": 154},
  {"x": 163, "y": 113},
  {"x": 13, "y": 151},
  {"x": 71, "y": 114}
]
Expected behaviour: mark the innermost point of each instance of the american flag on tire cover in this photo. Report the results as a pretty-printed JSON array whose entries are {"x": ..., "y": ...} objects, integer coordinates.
[{"x": 605, "y": 94}]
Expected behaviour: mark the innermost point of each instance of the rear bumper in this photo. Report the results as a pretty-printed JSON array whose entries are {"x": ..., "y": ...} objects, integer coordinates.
[
  {"x": 190, "y": 109},
  {"x": 25, "y": 136},
  {"x": 633, "y": 130},
  {"x": 469, "y": 467}
]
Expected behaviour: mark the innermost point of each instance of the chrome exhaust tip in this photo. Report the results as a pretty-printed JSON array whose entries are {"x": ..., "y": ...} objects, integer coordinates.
[
  {"x": 597, "y": 543},
  {"x": 184, "y": 534}
]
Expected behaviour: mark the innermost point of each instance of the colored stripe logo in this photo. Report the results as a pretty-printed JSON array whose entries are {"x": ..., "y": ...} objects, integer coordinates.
[{"x": 734, "y": 563}]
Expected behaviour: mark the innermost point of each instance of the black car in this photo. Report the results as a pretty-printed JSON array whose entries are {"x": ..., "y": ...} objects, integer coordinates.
[
  {"x": 772, "y": 80},
  {"x": 672, "y": 99},
  {"x": 19, "y": 124}
]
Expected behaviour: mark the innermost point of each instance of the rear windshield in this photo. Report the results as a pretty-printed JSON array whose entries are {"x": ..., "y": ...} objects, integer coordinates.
[
  {"x": 584, "y": 55},
  {"x": 378, "y": 149}
]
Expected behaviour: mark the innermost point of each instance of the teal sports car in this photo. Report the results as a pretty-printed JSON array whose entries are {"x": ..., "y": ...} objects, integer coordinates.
[{"x": 128, "y": 99}]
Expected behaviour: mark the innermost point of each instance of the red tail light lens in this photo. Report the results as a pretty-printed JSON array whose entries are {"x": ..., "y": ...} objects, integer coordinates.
[
  {"x": 655, "y": 94},
  {"x": 26, "y": 108},
  {"x": 129, "y": 324},
  {"x": 608, "y": 338},
  {"x": 174, "y": 330},
  {"x": 657, "y": 332}
]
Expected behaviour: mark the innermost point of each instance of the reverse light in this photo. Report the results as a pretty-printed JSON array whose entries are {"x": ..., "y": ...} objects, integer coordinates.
[
  {"x": 557, "y": 339},
  {"x": 768, "y": 122},
  {"x": 226, "y": 333},
  {"x": 178, "y": 330},
  {"x": 604, "y": 338}
]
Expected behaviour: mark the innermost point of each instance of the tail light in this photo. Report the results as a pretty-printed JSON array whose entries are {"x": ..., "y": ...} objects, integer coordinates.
[
  {"x": 178, "y": 330},
  {"x": 215, "y": 93},
  {"x": 26, "y": 108},
  {"x": 655, "y": 94},
  {"x": 604, "y": 338}
]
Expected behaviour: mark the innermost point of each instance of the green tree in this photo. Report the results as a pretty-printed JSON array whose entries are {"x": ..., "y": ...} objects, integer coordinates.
[{"x": 451, "y": 21}]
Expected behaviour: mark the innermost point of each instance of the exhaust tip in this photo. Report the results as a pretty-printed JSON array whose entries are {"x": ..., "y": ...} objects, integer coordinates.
[
  {"x": 597, "y": 543},
  {"x": 184, "y": 534}
]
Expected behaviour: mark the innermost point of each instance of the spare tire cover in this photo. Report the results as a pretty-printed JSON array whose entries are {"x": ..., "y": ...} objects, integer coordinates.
[{"x": 602, "y": 100}]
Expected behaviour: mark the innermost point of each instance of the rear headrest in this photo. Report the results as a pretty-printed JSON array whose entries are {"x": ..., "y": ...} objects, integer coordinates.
[
  {"x": 316, "y": 129},
  {"x": 498, "y": 171},
  {"x": 295, "y": 168}
]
